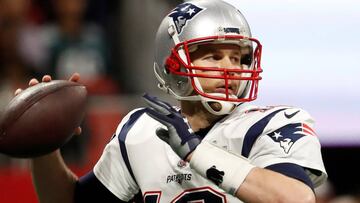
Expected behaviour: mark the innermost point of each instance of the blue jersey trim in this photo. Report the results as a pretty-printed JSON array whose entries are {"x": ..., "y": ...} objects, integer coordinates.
[
  {"x": 122, "y": 137},
  {"x": 89, "y": 189},
  {"x": 293, "y": 171},
  {"x": 255, "y": 131}
]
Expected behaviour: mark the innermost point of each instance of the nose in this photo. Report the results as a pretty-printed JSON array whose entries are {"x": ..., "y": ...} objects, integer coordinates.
[
  {"x": 225, "y": 62},
  {"x": 229, "y": 65}
]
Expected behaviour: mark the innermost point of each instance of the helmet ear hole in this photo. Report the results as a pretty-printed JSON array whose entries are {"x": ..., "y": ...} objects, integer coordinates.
[{"x": 172, "y": 69}]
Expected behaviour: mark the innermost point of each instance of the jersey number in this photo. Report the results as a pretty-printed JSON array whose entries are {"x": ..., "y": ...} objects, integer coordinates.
[{"x": 204, "y": 194}]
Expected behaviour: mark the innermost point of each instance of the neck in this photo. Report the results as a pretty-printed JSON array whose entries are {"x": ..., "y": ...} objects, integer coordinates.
[{"x": 198, "y": 117}]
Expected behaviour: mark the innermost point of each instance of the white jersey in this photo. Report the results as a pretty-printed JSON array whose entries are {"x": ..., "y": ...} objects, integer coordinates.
[{"x": 137, "y": 160}]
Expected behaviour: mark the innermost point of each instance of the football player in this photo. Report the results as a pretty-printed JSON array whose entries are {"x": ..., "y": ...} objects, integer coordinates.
[{"x": 215, "y": 147}]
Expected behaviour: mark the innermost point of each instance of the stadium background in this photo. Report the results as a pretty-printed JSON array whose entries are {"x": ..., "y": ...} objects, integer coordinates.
[{"x": 310, "y": 59}]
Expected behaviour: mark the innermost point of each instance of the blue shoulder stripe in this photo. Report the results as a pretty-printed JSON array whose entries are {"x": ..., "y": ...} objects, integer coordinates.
[
  {"x": 293, "y": 171},
  {"x": 122, "y": 137},
  {"x": 255, "y": 131}
]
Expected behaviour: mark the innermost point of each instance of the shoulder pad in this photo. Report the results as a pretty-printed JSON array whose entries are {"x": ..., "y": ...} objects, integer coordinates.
[
  {"x": 125, "y": 119},
  {"x": 289, "y": 115},
  {"x": 274, "y": 116},
  {"x": 260, "y": 121}
]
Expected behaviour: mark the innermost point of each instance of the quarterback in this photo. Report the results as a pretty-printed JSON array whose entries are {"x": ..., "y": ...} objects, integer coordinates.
[{"x": 215, "y": 146}]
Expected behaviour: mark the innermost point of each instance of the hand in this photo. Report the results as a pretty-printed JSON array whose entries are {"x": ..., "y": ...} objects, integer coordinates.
[
  {"x": 179, "y": 134},
  {"x": 47, "y": 78}
]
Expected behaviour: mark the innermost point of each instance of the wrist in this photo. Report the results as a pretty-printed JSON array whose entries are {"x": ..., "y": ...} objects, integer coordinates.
[{"x": 225, "y": 169}]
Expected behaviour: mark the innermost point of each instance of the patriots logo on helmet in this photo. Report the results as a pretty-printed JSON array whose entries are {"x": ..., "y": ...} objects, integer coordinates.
[
  {"x": 182, "y": 13},
  {"x": 289, "y": 134}
]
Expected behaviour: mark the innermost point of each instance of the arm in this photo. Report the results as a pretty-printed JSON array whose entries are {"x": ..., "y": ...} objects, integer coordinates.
[
  {"x": 262, "y": 185},
  {"x": 253, "y": 184},
  {"x": 53, "y": 180},
  {"x": 55, "y": 183},
  {"x": 231, "y": 172}
]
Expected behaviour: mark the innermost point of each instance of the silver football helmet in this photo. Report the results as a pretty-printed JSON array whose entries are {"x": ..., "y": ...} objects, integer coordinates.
[{"x": 198, "y": 22}]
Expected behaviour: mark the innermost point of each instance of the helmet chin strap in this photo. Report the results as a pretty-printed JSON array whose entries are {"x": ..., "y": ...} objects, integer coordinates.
[{"x": 226, "y": 107}]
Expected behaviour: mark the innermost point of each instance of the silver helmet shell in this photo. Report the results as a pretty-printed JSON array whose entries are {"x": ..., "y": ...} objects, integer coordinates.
[{"x": 195, "y": 22}]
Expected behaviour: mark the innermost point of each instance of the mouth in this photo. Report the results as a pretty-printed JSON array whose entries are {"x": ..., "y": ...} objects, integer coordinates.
[{"x": 223, "y": 89}]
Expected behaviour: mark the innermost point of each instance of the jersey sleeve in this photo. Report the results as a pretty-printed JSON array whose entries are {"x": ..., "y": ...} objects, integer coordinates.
[
  {"x": 111, "y": 169},
  {"x": 89, "y": 189},
  {"x": 289, "y": 138}
]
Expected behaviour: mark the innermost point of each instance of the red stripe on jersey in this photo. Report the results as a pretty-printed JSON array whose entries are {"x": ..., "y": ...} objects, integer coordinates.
[{"x": 308, "y": 129}]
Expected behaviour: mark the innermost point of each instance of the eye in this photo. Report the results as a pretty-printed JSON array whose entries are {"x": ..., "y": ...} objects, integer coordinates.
[
  {"x": 236, "y": 59},
  {"x": 213, "y": 57}
]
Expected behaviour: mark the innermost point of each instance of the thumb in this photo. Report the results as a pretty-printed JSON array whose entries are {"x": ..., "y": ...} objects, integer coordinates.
[{"x": 163, "y": 134}]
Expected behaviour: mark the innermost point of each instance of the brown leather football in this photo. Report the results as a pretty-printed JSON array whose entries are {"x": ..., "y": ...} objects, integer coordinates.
[{"x": 42, "y": 118}]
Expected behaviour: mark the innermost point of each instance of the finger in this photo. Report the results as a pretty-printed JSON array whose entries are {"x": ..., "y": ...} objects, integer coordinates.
[
  {"x": 77, "y": 131},
  {"x": 163, "y": 134},
  {"x": 162, "y": 103},
  {"x": 75, "y": 77},
  {"x": 18, "y": 91},
  {"x": 157, "y": 105},
  {"x": 158, "y": 116},
  {"x": 46, "y": 78},
  {"x": 33, "y": 82},
  {"x": 158, "y": 108}
]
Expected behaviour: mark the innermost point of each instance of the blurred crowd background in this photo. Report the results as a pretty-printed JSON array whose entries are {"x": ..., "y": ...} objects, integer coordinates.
[{"x": 110, "y": 43}]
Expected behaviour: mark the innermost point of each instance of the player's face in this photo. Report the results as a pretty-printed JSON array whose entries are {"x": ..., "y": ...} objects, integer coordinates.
[{"x": 221, "y": 56}]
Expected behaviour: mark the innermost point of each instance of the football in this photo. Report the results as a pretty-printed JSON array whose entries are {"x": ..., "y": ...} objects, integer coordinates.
[{"x": 42, "y": 118}]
